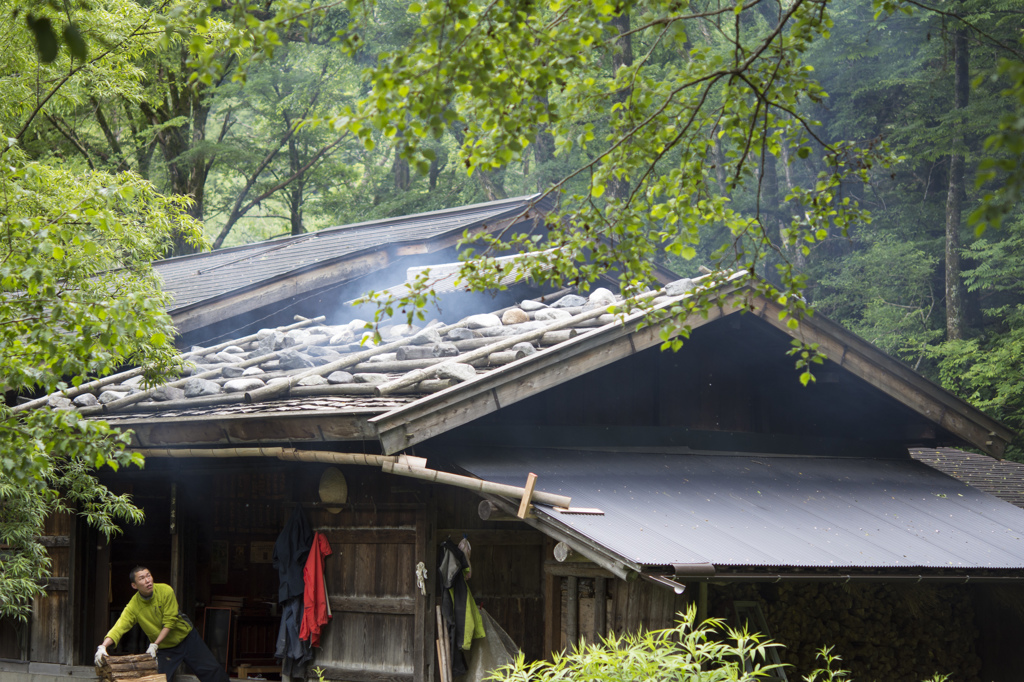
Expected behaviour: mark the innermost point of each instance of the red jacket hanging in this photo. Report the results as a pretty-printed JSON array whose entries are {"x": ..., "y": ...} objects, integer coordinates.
[{"x": 316, "y": 612}]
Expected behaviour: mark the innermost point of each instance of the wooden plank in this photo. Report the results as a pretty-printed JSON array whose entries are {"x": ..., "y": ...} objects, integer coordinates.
[
  {"x": 54, "y": 540},
  {"x": 365, "y": 675},
  {"x": 421, "y": 637},
  {"x": 552, "y": 608},
  {"x": 389, "y": 605},
  {"x": 524, "y": 504},
  {"x": 579, "y": 570},
  {"x": 369, "y": 536},
  {"x": 503, "y": 537}
]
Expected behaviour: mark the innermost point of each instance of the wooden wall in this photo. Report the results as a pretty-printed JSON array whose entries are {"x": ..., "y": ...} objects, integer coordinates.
[
  {"x": 507, "y": 559},
  {"x": 53, "y": 620}
]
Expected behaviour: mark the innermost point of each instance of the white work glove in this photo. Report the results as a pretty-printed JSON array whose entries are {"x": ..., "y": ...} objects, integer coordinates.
[
  {"x": 101, "y": 653},
  {"x": 152, "y": 649}
]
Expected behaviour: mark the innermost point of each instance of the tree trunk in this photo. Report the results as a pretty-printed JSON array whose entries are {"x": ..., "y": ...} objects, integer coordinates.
[
  {"x": 295, "y": 191},
  {"x": 622, "y": 56},
  {"x": 955, "y": 196}
]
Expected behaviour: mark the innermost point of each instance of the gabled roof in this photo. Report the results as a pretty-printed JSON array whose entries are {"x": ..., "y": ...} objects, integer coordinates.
[
  {"x": 209, "y": 286},
  {"x": 423, "y": 383}
]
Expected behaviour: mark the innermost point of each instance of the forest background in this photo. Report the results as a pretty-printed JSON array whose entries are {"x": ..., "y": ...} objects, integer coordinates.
[{"x": 862, "y": 157}]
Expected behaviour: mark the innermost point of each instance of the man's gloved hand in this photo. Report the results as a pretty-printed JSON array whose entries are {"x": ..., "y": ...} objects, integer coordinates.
[
  {"x": 101, "y": 653},
  {"x": 152, "y": 650}
]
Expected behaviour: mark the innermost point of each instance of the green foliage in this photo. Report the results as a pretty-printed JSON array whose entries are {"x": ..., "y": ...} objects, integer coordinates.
[
  {"x": 708, "y": 652},
  {"x": 77, "y": 300}
]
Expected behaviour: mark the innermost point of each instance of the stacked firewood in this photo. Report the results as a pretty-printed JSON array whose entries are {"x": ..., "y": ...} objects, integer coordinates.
[
  {"x": 138, "y": 668},
  {"x": 880, "y": 631}
]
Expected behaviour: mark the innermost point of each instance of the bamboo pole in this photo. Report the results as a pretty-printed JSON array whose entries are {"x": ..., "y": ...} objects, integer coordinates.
[
  {"x": 476, "y": 484},
  {"x": 287, "y": 454}
]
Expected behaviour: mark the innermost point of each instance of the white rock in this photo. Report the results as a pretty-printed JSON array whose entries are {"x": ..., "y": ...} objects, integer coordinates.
[
  {"x": 384, "y": 357},
  {"x": 339, "y": 377},
  {"x": 164, "y": 393},
  {"x": 370, "y": 378},
  {"x": 85, "y": 400},
  {"x": 551, "y": 314},
  {"x": 570, "y": 301},
  {"x": 250, "y": 371},
  {"x": 525, "y": 347},
  {"x": 679, "y": 287},
  {"x": 456, "y": 371},
  {"x": 342, "y": 338},
  {"x": 134, "y": 382},
  {"x": 243, "y": 385},
  {"x": 314, "y": 380},
  {"x": 483, "y": 320},
  {"x": 601, "y": 296},
  {"x": 196, "y": 387},
  {"x": 531, "y": 305}
]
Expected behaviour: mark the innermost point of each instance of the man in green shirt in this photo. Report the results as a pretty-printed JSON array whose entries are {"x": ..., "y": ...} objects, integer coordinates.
[{"x": 155, "y": 608}]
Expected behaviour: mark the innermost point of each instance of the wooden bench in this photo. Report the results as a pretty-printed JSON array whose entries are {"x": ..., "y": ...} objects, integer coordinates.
[{"x": 245, "y": 669}]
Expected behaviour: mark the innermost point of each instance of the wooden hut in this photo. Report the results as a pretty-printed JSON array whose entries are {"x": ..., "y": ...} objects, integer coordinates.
[{"x": 706, "y": 477}]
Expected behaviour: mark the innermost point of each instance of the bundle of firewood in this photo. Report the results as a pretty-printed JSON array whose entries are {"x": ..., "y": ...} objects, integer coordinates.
[{"x": 138, "y": 668}]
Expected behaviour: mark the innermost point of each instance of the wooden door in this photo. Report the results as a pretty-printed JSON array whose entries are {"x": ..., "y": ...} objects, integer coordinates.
[
  {"x": 379, "y": 626},
  {"x": 52, "y": 620}
]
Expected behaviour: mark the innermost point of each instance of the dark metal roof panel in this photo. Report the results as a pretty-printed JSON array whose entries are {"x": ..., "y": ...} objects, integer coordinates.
[
  {"x": 757, "y": 510},
  {"x": 191, "y": 279}
]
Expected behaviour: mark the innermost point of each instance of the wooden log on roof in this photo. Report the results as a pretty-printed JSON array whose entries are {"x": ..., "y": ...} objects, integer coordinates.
[
  {"x": 123, "y": 376},
  {"x": 505, "y": 357},
  {"x": 499, "y": 345}
]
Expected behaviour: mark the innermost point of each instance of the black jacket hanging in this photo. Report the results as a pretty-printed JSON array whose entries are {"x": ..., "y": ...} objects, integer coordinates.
[{"x": 453, "y": 611}]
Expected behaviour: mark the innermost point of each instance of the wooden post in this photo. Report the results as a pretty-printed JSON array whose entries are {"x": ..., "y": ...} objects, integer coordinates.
[
  {"x": 600, "y": 607},
  {"x": 572, "y": 616},
  {"x": 702, "y": 603},
  {"x": 524, "y": 505}
]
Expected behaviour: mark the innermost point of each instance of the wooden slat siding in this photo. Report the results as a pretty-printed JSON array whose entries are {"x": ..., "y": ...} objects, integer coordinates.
[
  {"x": 50, "y": 634},
  {"x": 362, "y": 675},
  {"x": 391, "y": 605},
  {"x": 892, "y": 378},
  {"x": 372, "y": 589},
  {"x": 507, "y": 385},
  {"x": 426, "y": 532},
  {"x": 487, "y": 536}
]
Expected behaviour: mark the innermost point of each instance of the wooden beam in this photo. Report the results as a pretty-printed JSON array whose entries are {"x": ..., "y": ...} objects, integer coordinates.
[
  {"x": 386, "y": 605},
  {"x": 578, "y": 569},
  {"x": 572, "y": 611},
  {"x": 364, "y": 675},
  {"x": 371, "y": 536},
  {"x": 488, "y": 511},
  {"x": 524, "y": 504},
  {"x": 506, "y": 538}
]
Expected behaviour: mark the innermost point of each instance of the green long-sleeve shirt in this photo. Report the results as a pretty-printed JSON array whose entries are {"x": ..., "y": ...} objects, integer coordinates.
[{"x": 153, "y": 615}]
